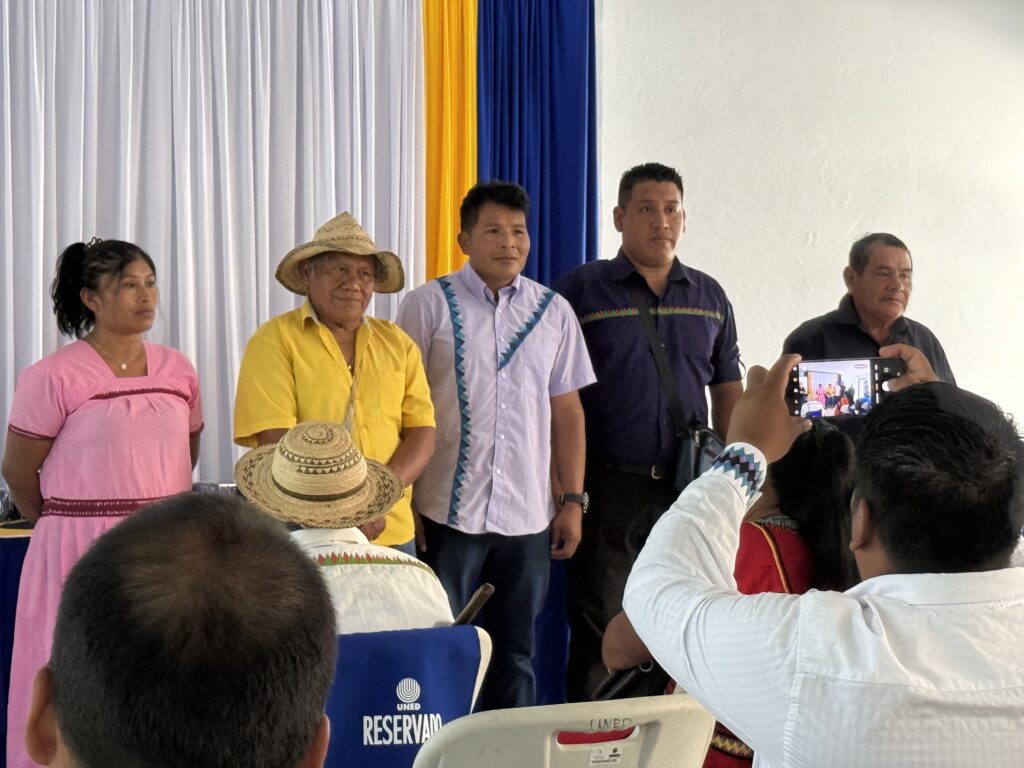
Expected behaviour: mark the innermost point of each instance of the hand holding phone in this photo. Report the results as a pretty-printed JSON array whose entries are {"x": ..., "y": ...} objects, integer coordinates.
[{"x": 919, "y": 369}]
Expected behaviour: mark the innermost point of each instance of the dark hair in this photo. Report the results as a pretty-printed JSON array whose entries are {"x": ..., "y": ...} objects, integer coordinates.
[
  {"x": 860, "y": 251},
  {"x": 941, "y": 469},
  {"x": 813, "y": 483},
  {"x": 646, "y": 172},
  {"x": 194, "y": 633},
  {"x": 501, "y": 192},
  {"x": 83, "y": 266}
]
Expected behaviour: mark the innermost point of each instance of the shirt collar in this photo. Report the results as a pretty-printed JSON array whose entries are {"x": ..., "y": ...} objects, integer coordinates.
[
  {"x": 945, "y": 588},
  {"x": 847, "y": 313},
  {"x": 479, "y": 288},
  {"x": 314, "y": 538},
  {"x": 308, "y": 314},
  {"x": 622, "y": 268}
]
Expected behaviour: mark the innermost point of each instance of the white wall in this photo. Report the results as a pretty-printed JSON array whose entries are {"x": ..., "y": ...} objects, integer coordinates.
[{"x": 799, "y": 125}]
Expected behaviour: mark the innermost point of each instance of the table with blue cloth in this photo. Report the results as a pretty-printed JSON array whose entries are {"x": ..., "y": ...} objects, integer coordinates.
[{"x": 14, "y": 538}]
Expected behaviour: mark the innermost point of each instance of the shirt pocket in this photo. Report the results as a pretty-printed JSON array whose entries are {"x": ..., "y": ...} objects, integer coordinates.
[
  {"x": 383, "y": 390},
  {"x": 536, "y": 359}
]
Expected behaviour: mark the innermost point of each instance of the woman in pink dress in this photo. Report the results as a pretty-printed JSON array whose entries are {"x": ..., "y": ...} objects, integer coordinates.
[{"x": 97, "y": 430}]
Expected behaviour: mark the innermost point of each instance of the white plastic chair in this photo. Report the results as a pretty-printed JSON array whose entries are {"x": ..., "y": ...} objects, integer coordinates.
[{"x": 646, "y": 732}]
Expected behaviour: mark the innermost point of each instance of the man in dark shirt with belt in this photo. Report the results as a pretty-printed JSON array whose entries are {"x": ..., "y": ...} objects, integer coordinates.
[
  {"x": 631, "y": 441},
  {"x": 878, "y": 282}
]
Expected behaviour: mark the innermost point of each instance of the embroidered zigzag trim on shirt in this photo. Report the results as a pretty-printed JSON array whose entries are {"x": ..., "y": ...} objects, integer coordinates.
[
  {"x": 609, "y": 314},
  {"x": 523, "y": 332},
  {"x": 731, "y": 746},
  {"x": 141, "y": 391},
  {"x": 462, "y": 461},
  {"x": 349, "y": 558},
  {"x": 58, "y": 507},
  {"x": 742, "y": 465}
]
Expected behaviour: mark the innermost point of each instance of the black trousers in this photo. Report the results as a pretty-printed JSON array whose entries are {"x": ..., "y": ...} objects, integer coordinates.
[{"x": 623, "y": 508}]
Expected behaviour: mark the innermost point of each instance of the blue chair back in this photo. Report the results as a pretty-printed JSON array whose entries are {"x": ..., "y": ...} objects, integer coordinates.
[{"x": 394, "y": 689}]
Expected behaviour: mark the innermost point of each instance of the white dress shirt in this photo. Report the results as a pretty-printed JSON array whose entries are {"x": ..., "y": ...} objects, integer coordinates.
[
  {"x": 375, "y": 588},
  {"x": 901, "y": 670}
]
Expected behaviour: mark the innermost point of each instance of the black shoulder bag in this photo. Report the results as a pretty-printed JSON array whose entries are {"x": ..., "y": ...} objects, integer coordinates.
[{"x": 698, "y": 443}]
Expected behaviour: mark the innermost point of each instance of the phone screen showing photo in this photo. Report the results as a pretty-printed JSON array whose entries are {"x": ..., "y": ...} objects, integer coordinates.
[{"x": 835, "y": 388}]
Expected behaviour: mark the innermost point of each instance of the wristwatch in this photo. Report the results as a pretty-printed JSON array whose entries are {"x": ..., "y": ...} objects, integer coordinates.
[{"x": 583, "y": 499}]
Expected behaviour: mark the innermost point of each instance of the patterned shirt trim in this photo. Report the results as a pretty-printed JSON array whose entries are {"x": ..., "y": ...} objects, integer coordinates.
[
  {"x": 730, "y": 745},
  {"x": 141, "y": 391},
  {"x": 58, "y": 507},
  {"x": 609, "y": 314},
  {"x": 349, "y": 558},
  {"x": 462, "y": 460},
  {"x": 523, "y": 332},
  {"x": 784, "y": 522},
  {"x": 740, "y": 464}
]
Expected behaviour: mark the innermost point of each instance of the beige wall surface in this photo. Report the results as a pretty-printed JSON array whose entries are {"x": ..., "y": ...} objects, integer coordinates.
[{"x": 799, "y": 125}]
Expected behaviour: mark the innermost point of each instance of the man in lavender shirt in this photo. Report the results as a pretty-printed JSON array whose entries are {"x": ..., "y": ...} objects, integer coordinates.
[{"x": 503, "y": 493}]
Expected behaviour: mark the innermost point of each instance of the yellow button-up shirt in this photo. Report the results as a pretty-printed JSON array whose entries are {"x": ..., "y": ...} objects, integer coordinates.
[{"x": 293, "y": 371}]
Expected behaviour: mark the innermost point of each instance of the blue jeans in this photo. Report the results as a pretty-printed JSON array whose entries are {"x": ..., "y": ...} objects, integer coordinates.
[{"x": 518, "y": 567}]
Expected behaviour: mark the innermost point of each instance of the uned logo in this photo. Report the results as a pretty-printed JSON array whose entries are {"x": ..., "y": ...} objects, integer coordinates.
[
  {"x": 408, "y": 692},
  {"x": 389, "y": 730}
]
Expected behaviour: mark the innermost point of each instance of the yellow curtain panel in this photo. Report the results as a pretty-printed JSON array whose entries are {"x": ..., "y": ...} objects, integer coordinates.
[{"x": 449, "y": 44}]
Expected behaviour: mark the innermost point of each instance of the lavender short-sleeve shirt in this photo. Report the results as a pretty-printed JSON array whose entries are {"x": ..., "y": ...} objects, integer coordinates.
[{"x": 493, "y": 368}]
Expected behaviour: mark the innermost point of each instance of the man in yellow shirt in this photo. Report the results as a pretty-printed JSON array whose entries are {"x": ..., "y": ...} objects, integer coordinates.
[{"x": 327, "y": 361}]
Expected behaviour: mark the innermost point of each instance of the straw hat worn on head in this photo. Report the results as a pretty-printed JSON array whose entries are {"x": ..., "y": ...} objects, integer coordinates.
[
  {"x": 317, "y": 478},
  {"x": 342, "y": 234}
]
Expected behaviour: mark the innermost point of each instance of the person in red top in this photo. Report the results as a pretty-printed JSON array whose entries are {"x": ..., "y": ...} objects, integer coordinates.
[{"x": 795, "y": 538}]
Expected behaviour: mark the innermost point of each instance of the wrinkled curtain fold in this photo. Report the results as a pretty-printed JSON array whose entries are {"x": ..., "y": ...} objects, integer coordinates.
[
  {"x": 537, "y": 122},
  {"x": 217, "y": 136}
]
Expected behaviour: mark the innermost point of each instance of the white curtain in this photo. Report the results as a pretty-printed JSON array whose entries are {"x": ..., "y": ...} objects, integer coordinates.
[{"x": 215, "y": 134}]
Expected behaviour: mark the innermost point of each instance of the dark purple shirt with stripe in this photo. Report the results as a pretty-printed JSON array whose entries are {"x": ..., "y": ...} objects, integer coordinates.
[{"x": 627, "y": 410}]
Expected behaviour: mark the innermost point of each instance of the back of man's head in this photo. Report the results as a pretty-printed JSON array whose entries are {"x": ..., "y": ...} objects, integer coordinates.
[
  {"x": 941, "y": 472},
  {"x": 194, "y": 634},
  {"x": 646, "y": 172}
]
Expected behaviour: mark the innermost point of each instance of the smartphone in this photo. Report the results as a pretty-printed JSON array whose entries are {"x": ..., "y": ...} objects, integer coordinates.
[{"x": 835, "y": 389}]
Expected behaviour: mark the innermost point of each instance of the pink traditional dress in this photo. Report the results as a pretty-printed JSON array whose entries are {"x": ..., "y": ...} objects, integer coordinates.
[{"x": 118, "y": 444}]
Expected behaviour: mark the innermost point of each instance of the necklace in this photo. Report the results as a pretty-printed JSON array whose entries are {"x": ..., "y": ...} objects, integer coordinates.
[{"x": 123, "y": 366}]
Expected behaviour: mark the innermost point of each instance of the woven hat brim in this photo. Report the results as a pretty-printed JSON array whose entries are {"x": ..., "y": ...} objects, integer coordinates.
[
  {"x": 289, "y": 276},
  {"x": 378, "y": 495}
]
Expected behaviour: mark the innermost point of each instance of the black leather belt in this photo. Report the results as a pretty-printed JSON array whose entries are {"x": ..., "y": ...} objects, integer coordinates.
[{"x": 652, "y": 471}]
